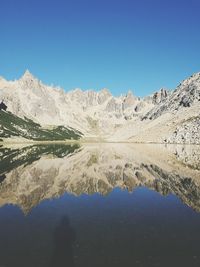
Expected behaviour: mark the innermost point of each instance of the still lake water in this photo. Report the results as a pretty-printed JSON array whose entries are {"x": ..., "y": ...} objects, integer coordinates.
[{"x": 99, "y": 205}]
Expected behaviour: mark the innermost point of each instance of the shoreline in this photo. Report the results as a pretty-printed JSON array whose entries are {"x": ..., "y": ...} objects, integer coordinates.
[{"x": 84, "y": 141}]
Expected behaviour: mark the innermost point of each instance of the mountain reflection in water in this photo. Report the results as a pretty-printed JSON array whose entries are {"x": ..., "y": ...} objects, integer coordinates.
[
  {"x": 35, "y": 173},
  {"x": 100, "y": 205}
]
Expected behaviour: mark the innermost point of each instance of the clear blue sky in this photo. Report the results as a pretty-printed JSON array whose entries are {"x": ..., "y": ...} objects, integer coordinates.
[{"x": 140, "y": 45}]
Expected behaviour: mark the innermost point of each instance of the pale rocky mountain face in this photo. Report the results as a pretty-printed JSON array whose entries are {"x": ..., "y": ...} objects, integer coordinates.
[
  {"x": 94, "y": 113},
  {"x": 100, "y": 115},
  {"x": 35, "y": 173},
  {"x": 186, "y": 95}
]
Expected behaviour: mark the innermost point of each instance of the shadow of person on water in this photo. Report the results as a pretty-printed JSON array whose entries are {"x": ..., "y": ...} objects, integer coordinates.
[{"x": 64, "y": 237}]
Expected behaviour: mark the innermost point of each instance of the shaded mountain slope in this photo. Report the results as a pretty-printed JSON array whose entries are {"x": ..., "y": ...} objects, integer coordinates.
[{"x": 14, "y": 126}]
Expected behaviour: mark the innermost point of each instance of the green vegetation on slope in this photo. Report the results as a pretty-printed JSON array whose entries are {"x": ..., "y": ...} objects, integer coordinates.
[{"x": 11, "y": 125}]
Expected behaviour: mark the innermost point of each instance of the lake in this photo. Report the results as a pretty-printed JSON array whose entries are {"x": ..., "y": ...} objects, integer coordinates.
[{"x": 99, "y": 205}]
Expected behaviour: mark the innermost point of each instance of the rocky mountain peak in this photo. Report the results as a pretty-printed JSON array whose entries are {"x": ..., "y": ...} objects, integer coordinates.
[
  {"x": 160, "y": 96},
  {"x": 105, "y": 91},
  {"x": 103, "y": 95},
  {"x": 29, "y": 81},
  {"x": 194, "y": 78},
  {"x": 130, "y": 93},
  {"x": 28, "y": 75},
  {"x": 129, "y": 100}
]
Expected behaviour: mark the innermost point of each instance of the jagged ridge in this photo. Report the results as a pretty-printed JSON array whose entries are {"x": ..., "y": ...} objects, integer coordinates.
[{"x": 100, "y": 115}]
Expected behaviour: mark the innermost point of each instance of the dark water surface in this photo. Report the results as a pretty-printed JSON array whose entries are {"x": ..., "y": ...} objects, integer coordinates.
[{"x": 105, "y": 205}]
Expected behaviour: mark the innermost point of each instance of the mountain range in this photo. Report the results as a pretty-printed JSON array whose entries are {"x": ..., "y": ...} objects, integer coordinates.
[{"x": 163, "y": 117}]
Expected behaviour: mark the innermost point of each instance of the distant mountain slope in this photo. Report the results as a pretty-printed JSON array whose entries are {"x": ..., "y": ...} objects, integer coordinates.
[
  {"x": 14, "y": 126},
  {"x": 175, "y": 119},
  {"x": 184, "y": 96}
]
